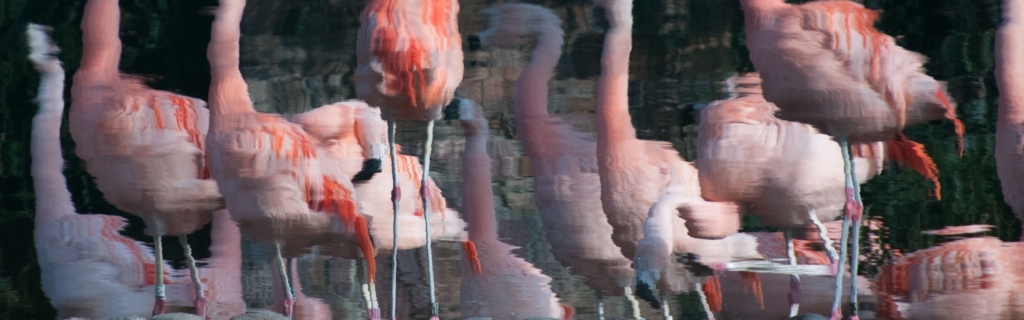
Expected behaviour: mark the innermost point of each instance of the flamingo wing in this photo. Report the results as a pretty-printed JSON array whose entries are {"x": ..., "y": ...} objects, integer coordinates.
[
  {"x": 868, "y": 56},
  {"x": 409, "y": 50}
]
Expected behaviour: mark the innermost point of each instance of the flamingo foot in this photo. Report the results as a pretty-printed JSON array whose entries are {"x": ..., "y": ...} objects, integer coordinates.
[
  {"x": 854, "y": 317},
  {"x": 435, "y": 318},
  {"x": 159, "y": 307},
  {"x": 836, "y": 315},
  {"x": 373, "y": 314},
  {"x": 289, "y": 305},
  {"x": 854, "y": 209},
  {"x": 201, "y": 307}
]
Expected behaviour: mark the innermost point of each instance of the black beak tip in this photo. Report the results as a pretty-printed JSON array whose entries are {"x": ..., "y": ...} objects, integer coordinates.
[
  {"x": 451, "y": 111},
  {"x": 370, "y": 167},
  {"x": 474, "y": 42}
]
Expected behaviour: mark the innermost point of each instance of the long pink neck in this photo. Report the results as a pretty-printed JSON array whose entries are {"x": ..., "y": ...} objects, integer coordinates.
[
  {"x": 478, "y": 198},
  {"x": 613, "y": 120},
  {"x": 1009, "y": 47},
  {"x": 228, "y": 91},
  {"x": 101, "y": 45},
  {"x": 532, "y": 85}
]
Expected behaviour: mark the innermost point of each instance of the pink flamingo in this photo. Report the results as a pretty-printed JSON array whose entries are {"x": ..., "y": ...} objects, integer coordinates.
[
  {"x": 280, "y": 185},
  {"x": 409, "y": 55},
  {"x": 79, "y": 251},
  {"x": 824, "y": 64},
  {"x": 1010, "y": 123},
  {"x": 936, "y": 283},
  {"x": 352, "y": 134},
  {"x": 793, "y": 181},
  {"x": 510, "y": 286},
  {"x": 143, "y": 146},
  {"x": 563, "y": 161}
]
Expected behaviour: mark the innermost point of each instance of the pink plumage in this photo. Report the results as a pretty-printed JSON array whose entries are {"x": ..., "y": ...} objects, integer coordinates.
[{"x": 1009, "y": 147}]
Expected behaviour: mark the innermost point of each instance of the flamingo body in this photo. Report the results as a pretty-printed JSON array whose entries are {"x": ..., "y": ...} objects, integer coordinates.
[
  {"x": 779, "y": 170},
  {"x": 824, "y": 64},
  {"x": 409, "y": 55},
  {"x": 143, "y": 146}
]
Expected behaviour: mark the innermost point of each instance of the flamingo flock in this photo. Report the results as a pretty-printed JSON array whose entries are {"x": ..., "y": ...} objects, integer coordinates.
[{"x": 790, "y": 146}]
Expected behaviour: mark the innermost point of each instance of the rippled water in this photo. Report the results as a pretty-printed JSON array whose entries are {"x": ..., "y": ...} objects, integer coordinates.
[{"x": 297, "y": 55}]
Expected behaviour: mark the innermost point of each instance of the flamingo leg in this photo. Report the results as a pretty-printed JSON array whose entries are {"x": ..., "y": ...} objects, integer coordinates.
[
  {"x": 830, "y": 249},
  {"x": 425, "y": 194},
  {"x": 857, "y": 212},
  {"x": 200, "y": 304},
  {"x": 289, "y": 300},
  {"x": 794, "y": 280},
  {"x": 370, "y": 290},
  {"x": 396, "y": 196},
  {"x": 634, "y": 306},
  {"x": 847, "y": 169},
  {"x": 704, "y": 301},
  {"x": 665, "y": 313},
  {"x": 161, "y": 295}
]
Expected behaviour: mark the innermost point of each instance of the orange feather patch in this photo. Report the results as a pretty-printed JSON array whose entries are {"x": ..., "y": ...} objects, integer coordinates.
[{"x": 912, "y": 154}]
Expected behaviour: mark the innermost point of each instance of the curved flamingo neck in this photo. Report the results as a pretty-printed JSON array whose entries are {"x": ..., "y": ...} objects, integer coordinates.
[
  {"x": 228, "y": 91},
  {"x": 532, "y": 84}
]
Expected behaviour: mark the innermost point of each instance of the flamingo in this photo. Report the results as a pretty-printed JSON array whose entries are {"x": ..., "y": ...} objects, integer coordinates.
[
  {"x": 786, "y": 173},
  {"x": 280, "y": 185},
  {"x": 143, "y": 146},
  {"x": 1010, "y": 123},
  {"x": 354, "y": 133},
  {"x": 510, "y": 286},
  {"x": 79, "y": 251},
  {"x": 981, "y": 272},
  {"x": 824, "y": 64},
  {"x": 563, "y": 161},
  {"x": 409, "y": 56},
  {"x": 664, "y": 235}
]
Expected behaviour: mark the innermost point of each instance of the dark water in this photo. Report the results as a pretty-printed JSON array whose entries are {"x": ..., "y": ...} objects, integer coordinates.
[{"x": 297, "y": 55}]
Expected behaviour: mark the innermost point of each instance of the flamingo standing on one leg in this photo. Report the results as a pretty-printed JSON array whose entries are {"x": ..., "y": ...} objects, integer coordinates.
[
  {"x": 1010, "y": 123},
  {"x": 409, "y": 54},
  {"x": 143, "y": 146},
  {"x": 824, "y": 64},
  {"x": 505, "y": 285},
  {"x": 79, "y": 251},
  {"x": 279, "y": 184}
]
